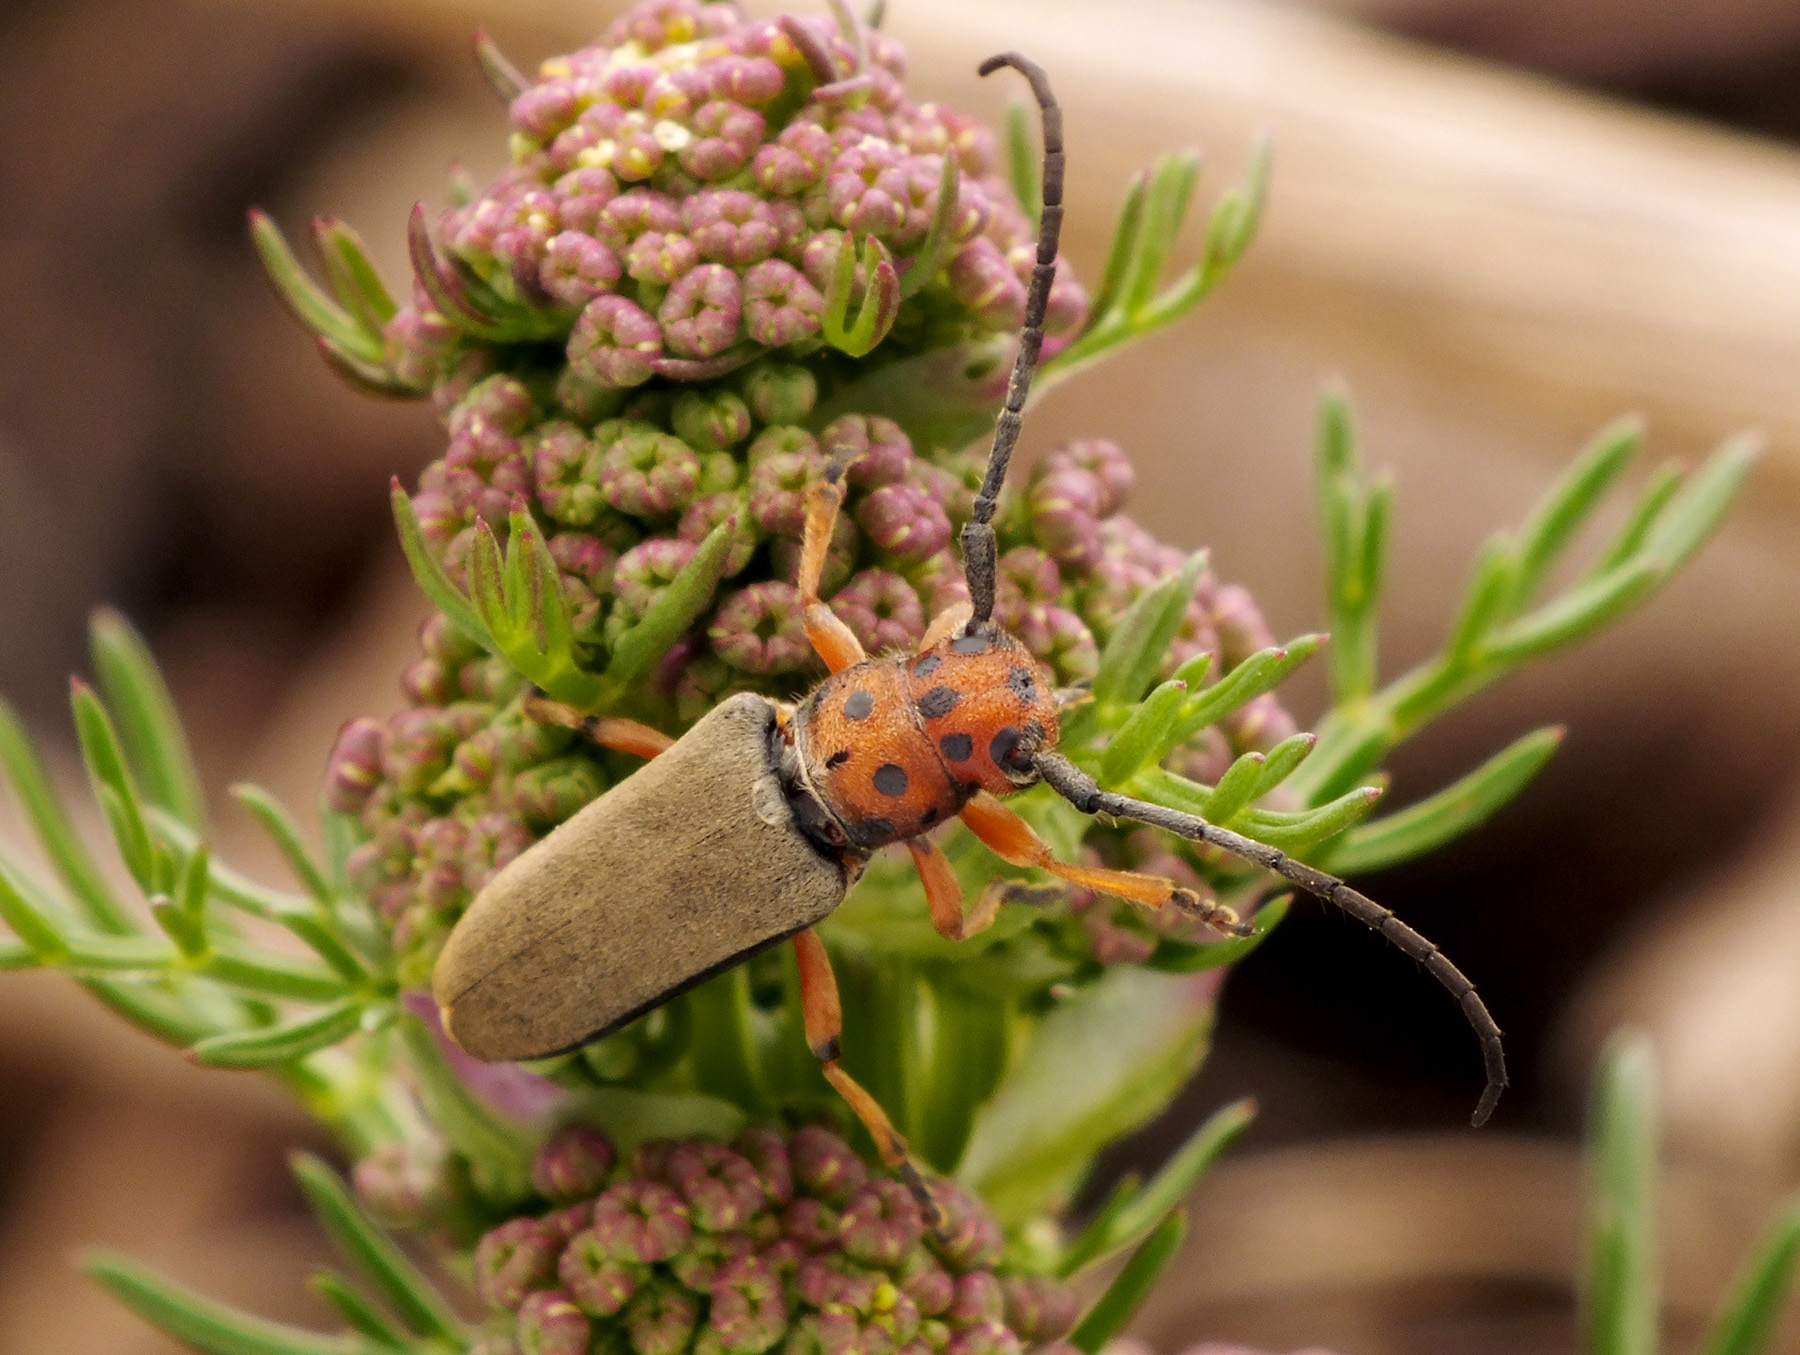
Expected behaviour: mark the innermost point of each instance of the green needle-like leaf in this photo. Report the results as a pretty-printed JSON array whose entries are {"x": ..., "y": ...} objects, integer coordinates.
[
  {"x": 1694, "y": 513},
  {"x": 279, "y": 825},
  {"x": 1172, "y": 180},
  {"x": 1123, "y": 249},
  {"x": 1136, "y": 648},
  {"x": 1113, "y": 1309},
  {"x": 112, "y": 783},
  {"x": 362, "y": 1315},
  {"x": 940, "y": 238},
  {"x": 149, "y": 725},
  {"x": 208, "y": 1327},
  {"x": 295, "y": 1039},
  {"x": 1570, "y": 616},
  {"x": 1663, "y": 485},
  {"x": 374, "y": 1255},
  {"x": 1151, "y": 1206},
  {"x": 306, "y": 299},
  {"x": 1455, "y": 810},
  {"x": 38, "y": 799},
  {"x": 1148, "y": 734},
  {"x": 437, "y": 585},
  {"x": 16, "y": 955},
  {"x": 1237, "y": 787},
  {"x": 353, "y": 277},
  {"x": 1570, "y": 502},
  {"x": 1022, "y": 161},
  {"x": 28, "y": 921},
  {"x": 679, "y": 606},
  {"x": 1262, "y": 672},
  {"x": 1619, "y": 1304},
  {"x": 1487, "y": 600},
  {"x": 1746, "y": 1322}
]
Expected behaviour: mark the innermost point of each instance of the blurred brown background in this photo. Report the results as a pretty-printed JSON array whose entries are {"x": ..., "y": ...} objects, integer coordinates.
[{"x": 1599, "y": 212}]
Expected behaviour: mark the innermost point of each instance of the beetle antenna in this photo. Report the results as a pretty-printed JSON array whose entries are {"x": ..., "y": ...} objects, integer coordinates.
[
  {"x": 1082, "y": 791},
  {"x": 978, "y": 533}
]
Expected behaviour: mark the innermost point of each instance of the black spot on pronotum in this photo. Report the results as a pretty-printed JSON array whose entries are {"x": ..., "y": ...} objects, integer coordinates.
[
  {"x": 929, "y": 817},
  {"x": 1023, "y": 683},
  {"x": 939, "y": 702},
  {"x": 838, "y": 759},
  {"x": 1004, "y": 745},
  {"x": 928, "y": 665},
  {"x": 858, "y": 706},
  {"x": 970, "y": 644},
  {"x": 957, "y": 747},
  {"x": 890, "y": 779}
]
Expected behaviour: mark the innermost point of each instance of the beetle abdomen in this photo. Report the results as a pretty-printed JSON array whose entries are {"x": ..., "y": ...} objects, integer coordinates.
[{"x": 689, "y": 864}]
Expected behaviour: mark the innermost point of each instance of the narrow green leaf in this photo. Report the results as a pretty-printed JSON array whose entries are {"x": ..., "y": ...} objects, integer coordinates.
[
  {"x": 141, "y": 955},
  {"x": 429, "y": 574},
  {"x": 1694, "y": 514},
  {"x": 1578, "y": 612},
  {"x": 1294, "y": 832},
  {"x": 1283, "y": 760},
  {"x": 1022, "y": 161},
  {"x": 112, "y": 783},
  {"x": 499, "y": 1153},
  {"x": 16, "y": 955},
  {"x": 353, "y": 277},
  {"x": 1172, "y": 179},
  {"x": 1075, "y": 1254},
  {"x": 1148, "y": 734},
  {"x": 1136, "y": 648},
  {"x": 37, "y": 797},
  {"x": 362, "y": 1316},
  {"x": 940, "y": 237},
  {"x": 1746, "y": 1322},
  {"x": 1428, "y": 824},
  {"x": 1619, "y": 1304},
  {"x": 488, "y": 592},
  {"x": 1488, "y": 598},
  {"x": 179, "y": 926},
  {"x": 1568, "y": 503},
  {"x": 1263, "y": 671},
  {"x": 152, "y": 1007},
  {"x": 149, "y": 724},
  {"x": 208, "y": 1327},
  {"x": 305, "y": 298},
  {"x": 294, "y": 1039},
  {"x": 1113, "y": 1309},
  {"x": 279, "y": 825},
  {"x": 270, "y": 975},
  {"x": 1237, "y": 787},
  {"x": 1152, "y": 1206},
  {"x": 1124, "y": 247},
  {"x": 1663, "y": 485},
  {"x": 374, "y": 1254},
  {"x": 679, "y": 607},
  {"x": 27, "y": 920},
  {"x": 1173, "y": 957},
  {"x": 1334, "y": 447}
]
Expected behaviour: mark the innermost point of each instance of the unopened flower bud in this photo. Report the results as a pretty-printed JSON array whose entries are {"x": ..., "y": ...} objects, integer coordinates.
[
  {"x": 701, "y": 313},
  {"x": 641, "y": 1221},
  {"x": 984, "y": 1338},
  {"x": 881, "y": 1224},
  {"x": 761, "y": 629},
  {"x": 1065, "y": 512},
  {"x": 828, "y": 1333},
  {"x": 720, "y": 1187},
  {"x": 749, "y": 1313},
  {"x": 549, "y": 793},
  {"x": 969, "y": 1237},
  {"x": 405, "y": 1184},
  {"x": 597, "y": 1278},
  {"x": 1106, "y": 461},
  {"x": 882, "y": 609},
  {"x": 644, "y": 471},
  {"x": 660, "y": 1319},
  {"x": 614, "y": 341},
  {"x": 1239, "y": 625},
  {"x": 887, "y": 453},
  {"x": 572, "y": 1164},
  {"x": 779, "y": 393},
  {"x": 513, "y": 1260},
  {"x": 982, "y": 280},
  {"x": 355, "y": 766},
  {"x": 711, "y": 422},
  {"x": 780, "y": 305},
  {"x": 551, "y": 1324},
  {"x": 1060, "y": 639},
  {"x": 824, "y": 1166},
  {"x": 767, "y": 1151},
  {"x": 905, "y": 521},
  {"x": 1039, "y": 1307}
]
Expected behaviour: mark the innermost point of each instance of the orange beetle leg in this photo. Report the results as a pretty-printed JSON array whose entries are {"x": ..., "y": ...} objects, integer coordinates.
[
  {"x": 622, "y": 736},
  {"x": 835, "y": 642},
  {"x": 945, "y": 624},
  {"x": 1012, "y": 839},
  {"x": 944, "y": 894},
  {"x": 824, "y": 1018}
]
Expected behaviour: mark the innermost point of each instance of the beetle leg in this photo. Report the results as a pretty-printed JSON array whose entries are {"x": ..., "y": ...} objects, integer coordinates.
[
  {"x": 944, "y": 894},
  {"x": 835, "y": 642},
  {"x": 824, "y": 1019},
  {"x": 945, "y": 624},
  {"x": 1012, "y": 839},
  {"x": 622, "y": 736}
]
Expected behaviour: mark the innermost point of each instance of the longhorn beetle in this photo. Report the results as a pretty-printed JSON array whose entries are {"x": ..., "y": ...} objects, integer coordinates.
[{"x": 752, "y": 826}]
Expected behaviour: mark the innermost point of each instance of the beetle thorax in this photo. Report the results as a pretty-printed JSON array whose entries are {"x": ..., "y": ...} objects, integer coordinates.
[{"x": 893, "y": 747}]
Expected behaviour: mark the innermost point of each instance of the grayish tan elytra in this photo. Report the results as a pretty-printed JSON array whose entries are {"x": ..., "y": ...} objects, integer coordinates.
[{"x": 690, "y": 864}]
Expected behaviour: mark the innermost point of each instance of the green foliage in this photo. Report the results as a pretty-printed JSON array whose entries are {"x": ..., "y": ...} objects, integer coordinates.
[{"x": 1619, "y": 1296}]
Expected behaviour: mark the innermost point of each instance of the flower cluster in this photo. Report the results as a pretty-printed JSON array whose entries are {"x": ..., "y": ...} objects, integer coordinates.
[
  {"x": 453, "y": 787},
  {"x": 684, "y": 194},
  {"x": 778, "y": 1242}
]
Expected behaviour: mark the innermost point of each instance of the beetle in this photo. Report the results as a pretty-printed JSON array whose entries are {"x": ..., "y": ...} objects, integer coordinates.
[{"x": 751, "y": 828}]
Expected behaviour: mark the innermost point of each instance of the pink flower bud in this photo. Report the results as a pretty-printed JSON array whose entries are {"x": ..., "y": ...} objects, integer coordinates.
[
  {"x": 726, "y": 135},
  {"x": 882, "y": 609},
  {"x": 780, "y": 305},
  {"x": 512, "y": 1261},
  {"x": 720, "y": 1187},
  {"x": 1239, "y": 625},
  {"x": 881, "y": 1224},
  {"x": 887, "y": 454},
  {"x": 581, "y": 196},
  {"x": 644, "y": 471},
  {"x": 551, "y": 1324},
  {"x": 642, "y": 1222},
  {"x": 779, "y": 393},
  {"x": 1106, "y": 461},
  {"x": 759, "y": 629},
  {"x": 749, "y": 1313},
  {"x": 969, "y": 1238},
  {"x": 1038, "y": 1307},
  {"x": 355, "y": 766},
  {"x": 905, "y": 521},
  {"x": 405, "y": 1184},
  {"x": 981, "y": 279},
  {"x": 614, "y": 341},
  {"x": 598, "y": 1279},
  {"x": 711, "y": 421},
  {"x": 660, "y": 1319},
  {"x": 577, "y": 268},
  {"x": 824, "y": 1166},
  {"x": 701, "y": 313},
  {"x": 572, "y": 1164}
]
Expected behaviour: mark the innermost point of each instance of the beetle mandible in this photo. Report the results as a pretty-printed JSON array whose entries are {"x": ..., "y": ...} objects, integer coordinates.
[{"x": 752, "y": 827}]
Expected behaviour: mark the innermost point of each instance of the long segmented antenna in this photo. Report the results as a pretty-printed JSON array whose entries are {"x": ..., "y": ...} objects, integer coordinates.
[
  {"x": 977, "y": 533},
  {"x": 1082, "y": 791}
]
